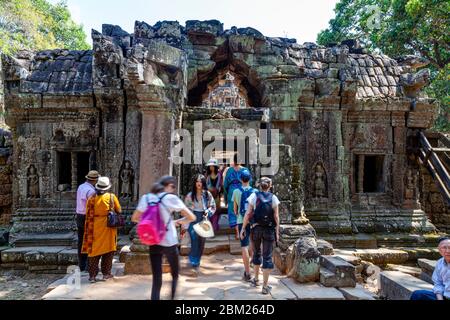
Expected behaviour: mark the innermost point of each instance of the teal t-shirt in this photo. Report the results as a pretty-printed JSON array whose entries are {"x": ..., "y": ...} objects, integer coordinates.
[{"x": 237, "y": 198}]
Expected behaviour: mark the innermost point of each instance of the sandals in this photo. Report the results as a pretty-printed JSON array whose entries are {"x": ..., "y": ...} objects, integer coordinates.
[
  {"x": 246, "y": 277},
  {"x": 254, "y": 282}
]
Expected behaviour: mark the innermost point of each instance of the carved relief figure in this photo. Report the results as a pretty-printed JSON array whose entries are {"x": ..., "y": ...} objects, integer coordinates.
[
  {"x": 320, "y": 187},
  {"x": 32, "y": 183},
  {"x": 410, "y": 190},
  {"x": 126, "y": 180}
]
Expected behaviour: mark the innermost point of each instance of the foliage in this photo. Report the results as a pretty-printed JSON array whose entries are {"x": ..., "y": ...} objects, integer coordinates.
[
  {"x": 38, "y": 25},
  {"x": 399, "y": 27}
]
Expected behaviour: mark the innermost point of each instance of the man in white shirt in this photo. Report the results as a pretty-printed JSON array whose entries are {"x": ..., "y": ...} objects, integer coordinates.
[
  {"x": 441, "y": 276},
  {"x": 84, "y": 192}
]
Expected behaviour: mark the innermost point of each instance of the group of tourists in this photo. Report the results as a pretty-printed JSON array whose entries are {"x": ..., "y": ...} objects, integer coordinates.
[{"x": 252, "y": 215}]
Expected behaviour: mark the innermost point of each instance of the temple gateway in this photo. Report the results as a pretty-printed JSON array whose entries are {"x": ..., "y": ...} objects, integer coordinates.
[{"x": 349, "y": 125}]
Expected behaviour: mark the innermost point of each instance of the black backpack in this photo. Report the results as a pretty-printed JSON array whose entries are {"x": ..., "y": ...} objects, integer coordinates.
[{"x": 263, "y": 214}]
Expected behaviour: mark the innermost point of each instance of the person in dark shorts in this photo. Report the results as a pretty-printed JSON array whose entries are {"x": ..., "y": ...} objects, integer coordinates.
[
  {"x": 263, "y": 212},
  {"x": 239, "y": 198}
]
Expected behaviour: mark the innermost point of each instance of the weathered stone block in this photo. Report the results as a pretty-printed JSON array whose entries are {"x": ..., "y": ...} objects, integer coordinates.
[
  {"x": 139, "y": 263},
  {"x": 337, "y": 273},
  {"x": 397, "y": 285},
  {"x": 303, "y": 263},
  {"x": 357, "y": 293}
]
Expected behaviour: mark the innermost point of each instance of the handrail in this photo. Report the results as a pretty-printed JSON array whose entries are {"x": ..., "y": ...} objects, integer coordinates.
[{"x": 429, "y": 158}]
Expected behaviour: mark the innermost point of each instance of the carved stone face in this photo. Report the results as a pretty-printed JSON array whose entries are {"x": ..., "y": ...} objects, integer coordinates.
[{"x": 127, "y": 165}]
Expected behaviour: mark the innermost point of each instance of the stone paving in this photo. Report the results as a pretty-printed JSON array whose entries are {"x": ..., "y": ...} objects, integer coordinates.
[{"x": 219, "y": 279}]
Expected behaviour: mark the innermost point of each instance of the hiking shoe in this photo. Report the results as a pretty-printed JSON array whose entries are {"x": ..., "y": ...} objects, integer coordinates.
[
  {"x": 254, "y": 282},
  {"x": 246, "y": 277},
  {"x": 266, "y": 289},
  {"x": 195, "y": 272}
]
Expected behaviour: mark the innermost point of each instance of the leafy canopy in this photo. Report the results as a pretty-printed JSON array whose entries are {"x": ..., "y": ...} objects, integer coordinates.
[
  {"x": 38, "y": 25},
  {"x": 400, "y": 27}
]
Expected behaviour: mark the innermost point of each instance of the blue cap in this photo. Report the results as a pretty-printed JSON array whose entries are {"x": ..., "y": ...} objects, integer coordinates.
[{"x": 246, "y": 174}]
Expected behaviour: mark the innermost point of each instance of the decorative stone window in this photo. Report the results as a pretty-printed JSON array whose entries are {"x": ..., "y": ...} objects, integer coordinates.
[
  {"x": 369, "y": 173},
  {"x": 72, "y": 168}
]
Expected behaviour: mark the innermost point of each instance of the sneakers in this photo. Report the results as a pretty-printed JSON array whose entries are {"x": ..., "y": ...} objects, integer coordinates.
[
  {"x": 246, "y": 277},
  {"x": 92, "y": 280},
  {"x": 254, "y": 282},
  {"x": 195, "y": 272},
  {"x": 266, "y": 289},
  {"x": 108, "y": 276}
]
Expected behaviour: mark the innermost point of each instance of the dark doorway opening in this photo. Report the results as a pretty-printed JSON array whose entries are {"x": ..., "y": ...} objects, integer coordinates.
[
  {"x": 82, "y": 166},
  {"x": 64, "y": 168},
  {"x": 373, "y": 174}
]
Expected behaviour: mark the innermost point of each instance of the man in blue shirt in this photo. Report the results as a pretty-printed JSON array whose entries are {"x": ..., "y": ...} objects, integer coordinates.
[{"x": 441, "y": 276}]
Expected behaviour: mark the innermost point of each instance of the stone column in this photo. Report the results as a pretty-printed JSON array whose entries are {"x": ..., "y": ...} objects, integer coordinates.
[
  {"x": 73, "y": 156},
  {"x": 361, "y": 173},
  {"x": 155, "y": 147}
]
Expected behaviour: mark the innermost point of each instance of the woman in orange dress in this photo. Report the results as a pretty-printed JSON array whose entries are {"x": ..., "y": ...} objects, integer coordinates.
[{"x": 100, "y": 241}]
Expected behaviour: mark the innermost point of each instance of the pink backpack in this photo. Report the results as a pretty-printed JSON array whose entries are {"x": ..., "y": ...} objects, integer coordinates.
[{"x": 151, "y": 229}]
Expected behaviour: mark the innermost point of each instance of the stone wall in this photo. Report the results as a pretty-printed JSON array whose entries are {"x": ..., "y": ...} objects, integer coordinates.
[
  {"x": 433, "y": 203},
  {"x": 5, "y": 164}
]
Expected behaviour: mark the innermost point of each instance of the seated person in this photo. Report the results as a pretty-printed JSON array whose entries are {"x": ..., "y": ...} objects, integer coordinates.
[{"x": 441, "y": 276}]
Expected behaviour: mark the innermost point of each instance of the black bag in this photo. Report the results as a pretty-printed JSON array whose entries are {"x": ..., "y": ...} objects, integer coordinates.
[
  {"x": 263, "y": 214},
  {"x": 115, "y": 220}
]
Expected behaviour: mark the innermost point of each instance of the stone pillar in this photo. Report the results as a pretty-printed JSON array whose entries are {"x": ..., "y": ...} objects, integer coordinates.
[
  {"x": 155, "y": 147},
  {"x": 361, "y": 173},
  {"x": 73, "y": 156}
]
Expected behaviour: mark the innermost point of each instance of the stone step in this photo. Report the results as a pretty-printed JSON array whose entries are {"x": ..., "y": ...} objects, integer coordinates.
[
  {"x": 210, "y": 247},
  {"x": 427, "y": 268},
  {"x": 39, "y": 259},
  {"x": 413, "y": 271},
  {"x": 327, "y": 278},
  {"x": 396, "y": 285},
  {"x": 336, "y": 264},
  {"x": 373, "y": 241},
  {"x": 427, "y": 265},
  {"x": 336, "y": 272},
  {"x": 330, "y": 279},
  {"x": 383, "y": 256},
  {"x": 54, "y": 239},
  {"x": 357, "y": 293},
  {"x": 235, "y": 246},
  {"x": 312, "y": 291}
]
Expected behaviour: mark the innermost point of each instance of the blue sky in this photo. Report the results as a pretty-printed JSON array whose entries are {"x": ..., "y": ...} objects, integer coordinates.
[{"x": 300, "y": 19}]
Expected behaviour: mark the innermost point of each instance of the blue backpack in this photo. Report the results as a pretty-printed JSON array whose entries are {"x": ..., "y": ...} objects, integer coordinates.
[{"x": 244, "y": 196}]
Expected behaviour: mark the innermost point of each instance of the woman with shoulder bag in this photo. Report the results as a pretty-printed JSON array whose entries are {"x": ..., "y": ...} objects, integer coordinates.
[
  {"x": 202, "y": 203},
  {"x": 100, "y": 240}
]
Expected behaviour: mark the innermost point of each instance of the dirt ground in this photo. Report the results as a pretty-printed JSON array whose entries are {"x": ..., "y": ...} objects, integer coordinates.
[{"x": 23, "y": 285}]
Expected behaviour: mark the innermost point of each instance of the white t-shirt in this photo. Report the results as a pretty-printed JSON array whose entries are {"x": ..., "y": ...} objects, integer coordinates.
[
  {"x": 170, "y": 203},
  {"x": 252, "y": 200}
]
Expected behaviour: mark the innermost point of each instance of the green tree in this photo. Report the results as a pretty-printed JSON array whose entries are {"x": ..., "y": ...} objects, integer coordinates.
[
  {"x": 399, "y": 27},
  {"x": 38, "y": 25}
]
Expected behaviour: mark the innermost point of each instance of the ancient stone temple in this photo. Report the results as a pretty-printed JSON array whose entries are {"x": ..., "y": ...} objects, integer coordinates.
[{"x": 347, "y": 123}]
